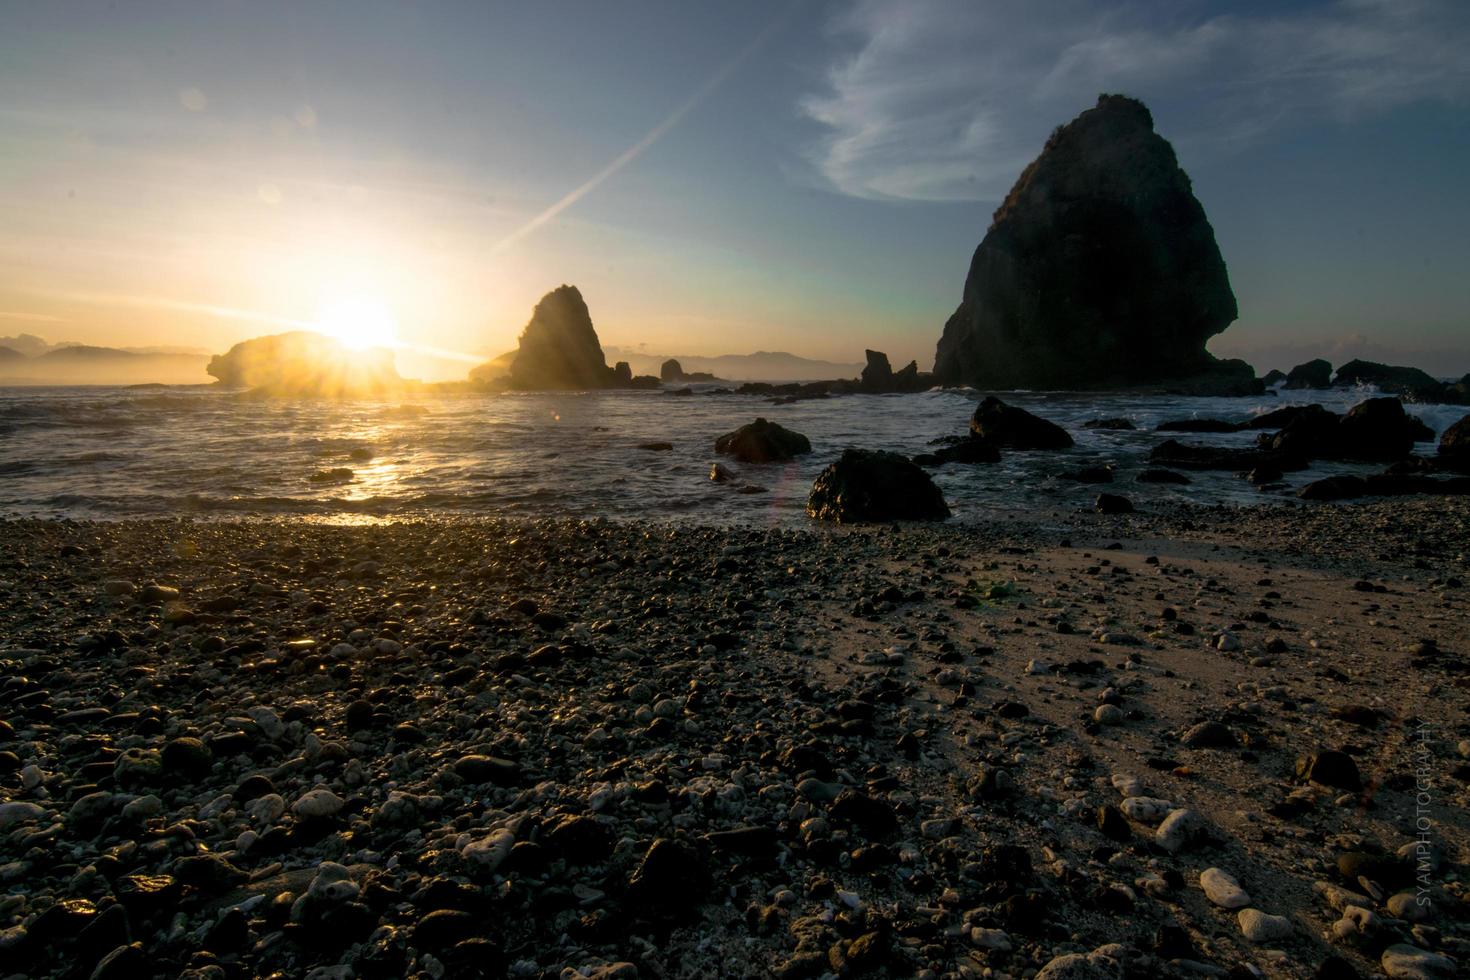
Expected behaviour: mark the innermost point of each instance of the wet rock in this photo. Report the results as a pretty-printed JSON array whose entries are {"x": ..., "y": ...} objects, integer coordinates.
[
  {"x": 187, "y": 759},
  {"x": 763, "y": 442},
  {"x": 578, "y": 839},
  {"x": 487, "y": 769},
  {"x": 1313, "y": 374},
  {"x": 1111, "y": 503},
  {"x": 1009, "y": 427},
  {"x": 124, "y": 963},
  {"x": 866, "y": 486},
  {"x": 671, "y": 880}
]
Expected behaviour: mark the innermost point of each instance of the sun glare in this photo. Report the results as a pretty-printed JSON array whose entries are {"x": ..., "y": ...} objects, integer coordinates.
[{"x": 359, "y": 322}]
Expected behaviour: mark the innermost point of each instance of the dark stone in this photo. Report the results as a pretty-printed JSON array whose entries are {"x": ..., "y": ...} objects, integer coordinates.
[
  {"x": 1191, "y": 457},
  {"x": 870, "y": 816},
  {"x": 1209, "y": 735},
  {"x": 443, "y": 928},
  {"x": 1100, "y": 269},
  {"x": 187, "y": 759},
  {"x": 359, "y": 716},
  {"x": 1330, "y": 767},
  {"x": 487, "y": 769},
  {"x": 1264, "y": 474},
  {"x": 1313, "y": 374},
  {"x": 1120, "y": 424},
  {"x": 967, "y": 450},
  {"x": 1015, "y": 428},
  {"x": 1111, "y": 503},
  {"x": 1454, "y": 445},
  {"x": 230, "y": 934},
  {"x": 1334, "y": 967},
  {"x": 865, "y": 486},
  {"x": 1273, "y": 377},
  {"x": 124, "y": 963},
  {"x": 748, "y": 841},
  {"x": 1335, "y": 488},
  {"x": 209, "y": 873},
  {"x": 1162, "y": 476},
  {"x": 670, "y": 882},
  {"x": 579, "y": 839},
  {"x": 1112, "y": 823},
  {"x": 1377, "y": 430},
  {"x": 671, "y": 370},
  {"x": 763, "y": 442}
]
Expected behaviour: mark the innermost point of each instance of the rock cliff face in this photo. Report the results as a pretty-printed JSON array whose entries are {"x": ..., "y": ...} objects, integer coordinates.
[
  {"x": 1099, "y": 270},
  {"x": 559, "y": 348},
  {"x": 305, "y": 364}
]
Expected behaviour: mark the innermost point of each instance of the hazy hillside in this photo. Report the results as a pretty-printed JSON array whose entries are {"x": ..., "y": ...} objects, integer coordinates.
[{"x": 759, "y": 366}]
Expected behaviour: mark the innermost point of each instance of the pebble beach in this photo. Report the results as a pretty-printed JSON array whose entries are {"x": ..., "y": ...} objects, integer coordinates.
[{"x": 1194, "y": 742}]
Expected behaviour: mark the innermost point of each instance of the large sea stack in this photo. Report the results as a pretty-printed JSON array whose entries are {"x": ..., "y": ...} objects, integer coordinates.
[
  {"x": 1100, "y": 270},
  {"x": 559, "y": 348}
]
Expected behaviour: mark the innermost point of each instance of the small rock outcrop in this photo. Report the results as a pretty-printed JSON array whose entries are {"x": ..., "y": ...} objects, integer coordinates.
[
  {"x": 1376, "y": 430},
  {"x": 308, "y": 365},
  {"x": 1313, "y": 374},
  {"x": 879, "y": 377},
  {"x": 868, "y": 486},
  {"x": 1273, "y": 377},
  {"x": 763, "y": 442},
  {"x": 1100, "y": 270},
  {"x": 671, "y": 371},
  {"x": 1015, "y": 428}
]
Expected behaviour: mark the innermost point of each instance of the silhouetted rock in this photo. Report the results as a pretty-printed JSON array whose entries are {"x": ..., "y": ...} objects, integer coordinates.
[
  {"x": 1389, "y": 379},
  {"x": 1313, "y": 374},
  {"x": 1015, "y": 428},
  {"x": 559, "y": 348},
  {"x": 1273, "y": 377},
  {"x": 866, "y": 486},
  {"x": 1099, "y": 270},
  {"x": 880, "y": 378},
  {"x": 622, "y": 375},
  {"x": 672, "y": 371},
  {"x": 763, "y": 442},
  {"x": 308, "y": 365},
  {"x": 1191, "y": 457},
  {"x": 1334, "y": 488}
]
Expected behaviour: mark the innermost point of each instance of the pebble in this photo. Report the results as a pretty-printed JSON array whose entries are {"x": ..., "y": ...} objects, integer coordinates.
[
  {"x": 1258, "y": 927},
  {"x": 1222, "y": 889},
  {"x": 1181, "y": 830},
  {"x": 317, "y": 804}
]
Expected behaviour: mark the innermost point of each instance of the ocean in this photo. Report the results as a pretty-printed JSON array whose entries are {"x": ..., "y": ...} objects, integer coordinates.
[{"x": 98, "y": 452}]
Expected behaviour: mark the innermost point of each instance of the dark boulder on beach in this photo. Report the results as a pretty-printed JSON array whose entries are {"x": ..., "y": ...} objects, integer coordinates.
[
  {"x": 866, "y": 486},
  {"x": 1112, "y": 503},
  {"x": 763, "y": 442},
  {"x": 1312, "y": 374},
  {"x": 970, "y": 449},
  {"x": 1454, "y": 446},
  {"x": 1015, "y": 428},
  {"x": 1099, "y": 270}
]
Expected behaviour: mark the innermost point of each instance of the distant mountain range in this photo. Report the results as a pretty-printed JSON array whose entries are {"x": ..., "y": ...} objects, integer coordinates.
[
  {"x": 759, "y": 366},
  {"x": 28, "y": 359}
]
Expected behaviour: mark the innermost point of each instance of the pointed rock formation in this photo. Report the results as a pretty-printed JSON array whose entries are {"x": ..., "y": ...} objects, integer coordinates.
[
  {"x": 559, "y": 348},
  {"x": 1099, "y": 270}
]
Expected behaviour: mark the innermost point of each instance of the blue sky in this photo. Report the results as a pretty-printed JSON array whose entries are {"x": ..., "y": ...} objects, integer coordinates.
[{"x": 717, "y": 178}]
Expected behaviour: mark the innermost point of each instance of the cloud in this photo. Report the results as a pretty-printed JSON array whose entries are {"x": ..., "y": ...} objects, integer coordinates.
[{"x": 949, "y": 99}]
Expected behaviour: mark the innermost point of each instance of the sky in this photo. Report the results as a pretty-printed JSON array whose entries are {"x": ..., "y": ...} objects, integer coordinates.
[{"x": 716, "y": 178}]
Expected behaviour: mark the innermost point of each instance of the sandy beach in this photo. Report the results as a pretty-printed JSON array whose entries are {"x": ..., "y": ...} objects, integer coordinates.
[{"x": 1195, "y": 742}]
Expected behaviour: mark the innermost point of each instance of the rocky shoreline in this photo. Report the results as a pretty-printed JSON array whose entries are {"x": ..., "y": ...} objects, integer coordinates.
[{"x": 1196, "y": 742}]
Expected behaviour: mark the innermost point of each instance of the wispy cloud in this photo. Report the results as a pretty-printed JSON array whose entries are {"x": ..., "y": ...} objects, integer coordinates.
[
  {"x": 948, "y": 99},
  {"x": 30, "y": 317}
]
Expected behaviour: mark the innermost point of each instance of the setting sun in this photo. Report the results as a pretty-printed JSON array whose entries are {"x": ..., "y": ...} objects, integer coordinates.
[{"x": 359, "y": 322}]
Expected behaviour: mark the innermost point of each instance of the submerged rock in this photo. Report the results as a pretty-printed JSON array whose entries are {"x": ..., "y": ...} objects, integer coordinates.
[
  {"x": 1099, "y": 270},
  {"x": 1015, "y": 428},
  {"x": 763, "y": 442},
  {"x": 867, "y": 485}
]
